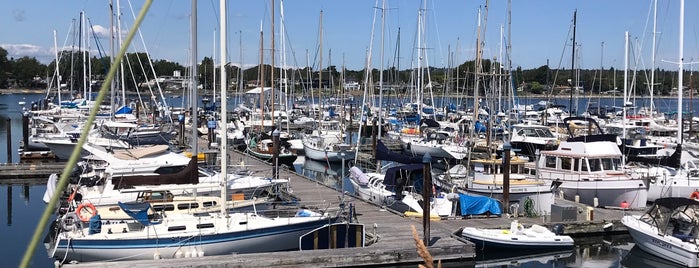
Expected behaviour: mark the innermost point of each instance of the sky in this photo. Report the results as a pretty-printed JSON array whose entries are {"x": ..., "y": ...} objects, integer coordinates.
[{"x": 540, "y": 30}]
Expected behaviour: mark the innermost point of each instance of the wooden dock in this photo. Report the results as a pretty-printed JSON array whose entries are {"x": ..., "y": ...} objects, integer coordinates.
[
  {"x": 17, "y": 172},
  {"x": 395, "y": 245}
]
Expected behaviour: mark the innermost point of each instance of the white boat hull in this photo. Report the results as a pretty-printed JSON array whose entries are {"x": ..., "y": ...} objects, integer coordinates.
[
  {"x": 325, "y": 155},
  {"x": 534, "y": 238},
  {"x": 608, "y": 193},
  {"x": 191, "y": 243},
  {"x": 668, "y": 247}
]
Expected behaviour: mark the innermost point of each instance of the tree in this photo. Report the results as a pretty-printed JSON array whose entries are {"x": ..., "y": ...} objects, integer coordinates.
[
  {"x": 27, "y": 72},
  {"x": 4, "y": 68}
]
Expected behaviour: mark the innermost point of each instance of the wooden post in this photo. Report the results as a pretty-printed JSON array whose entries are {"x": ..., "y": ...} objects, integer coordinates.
[
  {"x": 9, "y": 140},
  {"x": 426, "y": 197},
  {"x": 9, "y": 205},
  {"x": 506, "y": 175},
  {"x": 25, "y": 130},
  {"x": 275, "y": 154},
  {"x": 180, "y": 119},
  {"x": 349, "y": 127},
  {"x": 373, "y": 146}
]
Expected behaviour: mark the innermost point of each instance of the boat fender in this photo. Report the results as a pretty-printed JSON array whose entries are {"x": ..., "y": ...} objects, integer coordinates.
[
  {"x": 72, "y": 195},
  {"x": 88, "y": 206},
  {"x": 70, "y": 222},
  {"x": 694, "y": 195}
]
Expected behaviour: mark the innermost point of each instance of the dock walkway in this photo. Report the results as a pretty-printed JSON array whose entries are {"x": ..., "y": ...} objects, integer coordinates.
[{"x": 394, "y": 246}]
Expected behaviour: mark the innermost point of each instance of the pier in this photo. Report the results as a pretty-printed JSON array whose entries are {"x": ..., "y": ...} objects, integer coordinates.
[{"x": 395, "y": 244}]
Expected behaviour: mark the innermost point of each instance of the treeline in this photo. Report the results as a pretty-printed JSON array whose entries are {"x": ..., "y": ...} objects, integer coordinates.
[{"x": 29, "y": 73}]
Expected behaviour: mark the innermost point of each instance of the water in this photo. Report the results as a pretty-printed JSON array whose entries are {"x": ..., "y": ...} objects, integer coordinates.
[{"x": 23, "y": 207}]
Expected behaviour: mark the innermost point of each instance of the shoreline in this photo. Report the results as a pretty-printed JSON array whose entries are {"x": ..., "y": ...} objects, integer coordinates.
[{"x": 359, "y": 93}]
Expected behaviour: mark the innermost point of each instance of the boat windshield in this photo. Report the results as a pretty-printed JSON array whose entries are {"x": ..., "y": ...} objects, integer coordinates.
[
  {"x": 536, "y": 132},
  {"x": 604, "y": 164}
]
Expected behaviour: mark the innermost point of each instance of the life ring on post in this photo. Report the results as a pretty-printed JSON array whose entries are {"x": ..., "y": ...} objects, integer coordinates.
[
  {"x": 88, "y": 206},
  {"x": 694, "y": 195}
]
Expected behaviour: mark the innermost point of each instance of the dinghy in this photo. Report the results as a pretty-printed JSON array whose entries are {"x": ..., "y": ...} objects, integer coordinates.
[{"x": 535, "y": 237}]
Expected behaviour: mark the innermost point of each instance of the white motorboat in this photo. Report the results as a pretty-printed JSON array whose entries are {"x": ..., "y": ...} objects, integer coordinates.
[
  {"x": 669, "y": 230},
  {"x": 400, "y": 188},
  {"x": 518, "y": 237},
  {"x": 592, "y": 173}
]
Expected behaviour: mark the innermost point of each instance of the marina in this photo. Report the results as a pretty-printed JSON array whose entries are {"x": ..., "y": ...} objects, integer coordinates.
[{"x": 474, "y": 164}]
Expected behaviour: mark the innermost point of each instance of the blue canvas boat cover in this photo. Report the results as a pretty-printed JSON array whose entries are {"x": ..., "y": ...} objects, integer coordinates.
[
  {"x": 383, "y": 153},
  {"x": 475, "y": 205},
  {"x": 137, "y": 211}
]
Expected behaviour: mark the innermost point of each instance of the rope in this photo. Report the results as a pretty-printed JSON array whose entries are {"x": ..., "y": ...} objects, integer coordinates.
[{"x": 63, "y": 181}]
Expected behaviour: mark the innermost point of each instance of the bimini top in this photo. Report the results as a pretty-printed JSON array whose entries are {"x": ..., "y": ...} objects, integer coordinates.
[{"x": 675, "y": 202}]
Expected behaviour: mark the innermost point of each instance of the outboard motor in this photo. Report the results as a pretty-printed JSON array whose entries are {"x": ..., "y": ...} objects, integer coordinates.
[{"x": 557, "y": 229}]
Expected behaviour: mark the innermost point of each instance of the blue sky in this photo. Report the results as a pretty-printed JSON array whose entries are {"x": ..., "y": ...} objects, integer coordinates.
[{"x": 539, "y": 31}]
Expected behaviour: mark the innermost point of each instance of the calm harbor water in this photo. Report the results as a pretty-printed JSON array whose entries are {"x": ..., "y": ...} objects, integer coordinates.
[{"x": 22, "y": 206}]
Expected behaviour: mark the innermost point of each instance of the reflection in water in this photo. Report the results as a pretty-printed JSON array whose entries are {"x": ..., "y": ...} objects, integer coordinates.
[
  {"x": 325, "y": 173},
  {"x": 9, "y": 205},
  {"x": 641, "y": 259},
  {"x": 598, "y": 251}
]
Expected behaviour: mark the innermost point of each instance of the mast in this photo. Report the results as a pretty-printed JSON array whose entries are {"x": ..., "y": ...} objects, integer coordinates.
[
  {"x": 58, "y": 73},
  {"x": 261, "y": 75},
  {"x": 282, "y": 72},
  {"x": 224, "y": 110},
  {"x": 213, "y": 67},
  {"x": 193, "y": 83},
  {"x": 240, "y": 70},
  {"x": 320, "y": 68},
  {"x": 121, "y": 64},
  {"x": 572, "y": 66},
  {"x": 679, "y": 78},
  {"x": 652, "y": 62},
  {"x": 272, "y": 60},
  {"x": 626, "y": 74},
  {"x": 83, "y": 40},
  {"x": 383, "y": 19},
  {"x": 111, "y": 59}
]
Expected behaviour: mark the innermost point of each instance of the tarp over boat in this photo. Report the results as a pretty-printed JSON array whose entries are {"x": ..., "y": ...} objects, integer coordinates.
[{"x": 475, "y": 205}]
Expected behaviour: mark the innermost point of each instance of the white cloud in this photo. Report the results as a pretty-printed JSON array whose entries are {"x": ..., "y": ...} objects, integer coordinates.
[
  {"x": 20, "y": 50},
  {"x": 101, "y": 31}
]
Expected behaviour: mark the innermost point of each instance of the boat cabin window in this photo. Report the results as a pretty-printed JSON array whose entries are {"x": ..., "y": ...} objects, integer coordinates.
[
  {"x": 185, "y": 206},
  {"x": 584, "y": 165},
  {"x": 165, "y": 207},
  {"x": 550, "y": 161},
  {"x": 594, "y": 165},
  {"x": 169, "y": 170},
  {"x": 566, "y": 163},
  {"x": 611, "y": 163},
  {"x": 544, "y": 133}
]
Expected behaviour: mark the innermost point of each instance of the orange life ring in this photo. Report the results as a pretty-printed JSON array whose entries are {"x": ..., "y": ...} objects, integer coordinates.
[
  {"x": 694, "y": 195},
  {"x": 83, "y": 206}
]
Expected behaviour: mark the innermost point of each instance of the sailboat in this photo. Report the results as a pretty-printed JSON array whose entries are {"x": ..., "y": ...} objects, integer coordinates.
[
  {"x": 173, "y": 235},
  {"x": 261, "y": 144}
]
